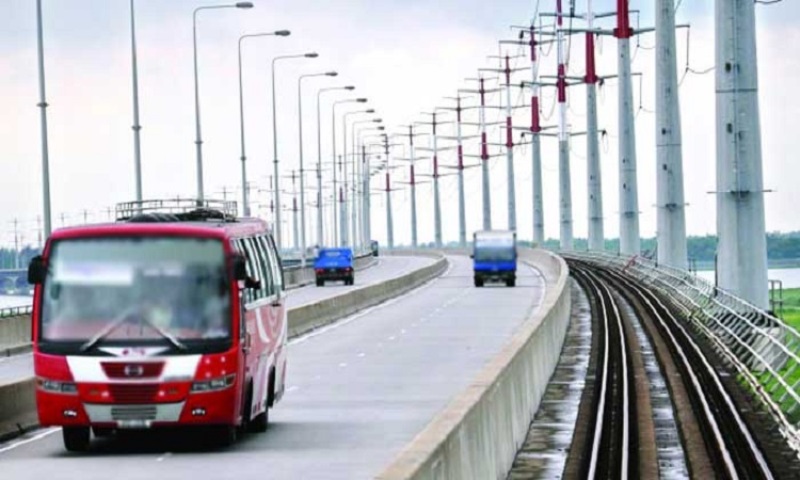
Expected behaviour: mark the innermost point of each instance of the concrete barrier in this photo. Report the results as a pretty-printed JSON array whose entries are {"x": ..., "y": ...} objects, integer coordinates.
[
  {"x": 478, "y": 434},
  {"x": 17, "y": 401},
  {"x": 15, "y": 334},
  {"x": 17, "y": 407},
  {"x": 314, "y": 315}
]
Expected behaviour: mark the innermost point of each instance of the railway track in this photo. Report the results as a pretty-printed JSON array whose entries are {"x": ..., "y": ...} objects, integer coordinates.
[{"x": 716, "y": 437}]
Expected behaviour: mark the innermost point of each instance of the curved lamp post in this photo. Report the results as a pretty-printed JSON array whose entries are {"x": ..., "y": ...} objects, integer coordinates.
[{"x": 199, "y": 140}]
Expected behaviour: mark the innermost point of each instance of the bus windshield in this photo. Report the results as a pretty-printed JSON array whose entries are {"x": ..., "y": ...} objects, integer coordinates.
[{"x": 136, "y": 289}]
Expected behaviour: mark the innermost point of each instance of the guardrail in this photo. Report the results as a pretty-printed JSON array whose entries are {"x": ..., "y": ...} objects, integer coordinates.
[
  {"x": 16, "y": 311},
  {"x": 477, "y": 435},
  {"x": 763, "y": 349}
]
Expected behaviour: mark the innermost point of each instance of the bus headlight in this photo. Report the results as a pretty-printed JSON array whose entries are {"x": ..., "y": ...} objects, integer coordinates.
[
  {"x": 55, "y": 386},
  {"x": 214, "y": 384}
]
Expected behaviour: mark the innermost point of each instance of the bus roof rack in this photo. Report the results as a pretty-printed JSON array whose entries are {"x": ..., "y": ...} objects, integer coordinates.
[{"x": 176, "y": 210}]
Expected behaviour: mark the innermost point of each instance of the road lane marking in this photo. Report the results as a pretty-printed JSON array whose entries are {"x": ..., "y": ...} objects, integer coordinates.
[
  {"x": 342, "y": 365},
  {"x": 36, "y": 437},
  {"x": 367, "y": 311},
  {"x": 361, "y": 355},
  {"x": 165, "y": 456}
]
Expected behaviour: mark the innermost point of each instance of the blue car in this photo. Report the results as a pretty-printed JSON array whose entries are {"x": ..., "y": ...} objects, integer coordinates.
[
  {"x": 334, "y": 264},
  {"x": 494, "y": 257}
]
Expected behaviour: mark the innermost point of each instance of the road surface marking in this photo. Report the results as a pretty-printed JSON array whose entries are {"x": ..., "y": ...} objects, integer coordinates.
[{"x": 36, "y": 437}]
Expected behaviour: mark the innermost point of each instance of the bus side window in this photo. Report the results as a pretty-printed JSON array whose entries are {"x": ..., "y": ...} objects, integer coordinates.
[
  {"x": 255, "y": 271},
  {"x": 266, "y": 265},
  {"x": 277, "y": 267},
  {"x": 247, "y": 294}
]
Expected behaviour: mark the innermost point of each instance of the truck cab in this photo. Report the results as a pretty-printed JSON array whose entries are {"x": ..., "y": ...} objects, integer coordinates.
[
  {"x": 494, "y": 257},
  {"x": 334, "y": 264}
]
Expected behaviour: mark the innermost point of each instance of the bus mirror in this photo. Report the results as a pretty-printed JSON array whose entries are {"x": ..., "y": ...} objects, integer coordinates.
[
  {"x": 252, "y": 283},
  {"x": 37, "y": 270},
  {"x": 239, "y": 267}
]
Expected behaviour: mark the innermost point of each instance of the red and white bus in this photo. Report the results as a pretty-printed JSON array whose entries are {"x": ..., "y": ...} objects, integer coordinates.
[{"x": 159, "y": 320}]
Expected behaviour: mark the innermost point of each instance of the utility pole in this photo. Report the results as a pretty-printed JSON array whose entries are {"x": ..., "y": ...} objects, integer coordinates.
[
  {"x": 629, "y": 241},
  {"x": 459, "y": 138},
  {"x": 509, "y": 143},
  {"x": 43, "y": 121},
  {"x": 671, "y": 216},
  {"x": 342, "y": 211},
  {"x": 742, "y": 248},
  {"x": 389, "y": 219},
  {"x": 484, "y": 150},
  {"x": 564, "y": 178},
  {"x": 534, "y": 130},
  {"x": 413, "y": 189},
  {"x": 593, "y": 172},
  {"x": 437, "y": 205}
]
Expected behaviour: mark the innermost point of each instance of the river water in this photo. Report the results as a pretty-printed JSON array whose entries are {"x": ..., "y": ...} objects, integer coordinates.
[{"x": 789, "y": 276}]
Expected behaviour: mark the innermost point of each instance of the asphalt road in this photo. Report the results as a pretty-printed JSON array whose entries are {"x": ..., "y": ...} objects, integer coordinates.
[
  {"x": 19, "y": 367},
  {"x": 358, "y": 392},
  {"x": 385, "y": 269}
]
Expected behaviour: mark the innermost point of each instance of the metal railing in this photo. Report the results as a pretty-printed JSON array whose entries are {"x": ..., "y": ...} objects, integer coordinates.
[
  {"x": 127, "y": 210},
  {"x": 16, "y": 311},
  {"x": 762, "y": 348}
]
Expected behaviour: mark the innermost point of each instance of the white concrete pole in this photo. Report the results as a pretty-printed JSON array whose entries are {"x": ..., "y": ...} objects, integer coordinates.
[
  {"x": 564, "y": 178},
  {"x": 593, "y": 172},
  {"x": 437, "y": 206},
  {"x": 536, "y": 148},
  {"x": 462, "y": 214},
  {"x": 671, "y": 215},
  {"x": 43, "y": 121},
  {"x": 629, "y": 242},
  {"x": 742, "y": 249},
  {"x": 512, "y": 196},
  {"x": 389, "y": 220},
  {"x": 413, "y": 189},
  {"x": 486, "y": 186}
]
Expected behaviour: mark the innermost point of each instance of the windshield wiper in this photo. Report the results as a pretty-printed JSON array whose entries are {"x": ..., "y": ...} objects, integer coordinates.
[
  {"x": 172, "y": 339},
  {"x": 104, "y": 332},
  {"x": 122, "y": 319}
]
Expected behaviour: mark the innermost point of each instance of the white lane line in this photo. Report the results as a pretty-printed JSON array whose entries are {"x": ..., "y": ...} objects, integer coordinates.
[
  {"x": 367, "y": 311},
  {"x": 342, "y": 365},
  {"x": 34, "y": 438},
  {"x": 163, "y": 457},
  {"x": 402, "y": 331},
  {"x": 392, "y": 337},
  {"x": 361, "y": 355},
  {"x": 292, "y": 388}
]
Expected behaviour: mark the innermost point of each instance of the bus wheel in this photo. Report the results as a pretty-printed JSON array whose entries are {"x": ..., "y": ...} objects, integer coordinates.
[
  {"x": 259, "y": 423},
  {"x": 478, "y": 282},
  {"x": 511, "y": 282},
  {"x": 226, "y": 435},
  {"x": 76, "y": 439},
  {"x": 320, "y": 283}
]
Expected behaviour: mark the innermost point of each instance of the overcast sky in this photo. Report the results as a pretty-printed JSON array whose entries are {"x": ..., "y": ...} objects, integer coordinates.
[{"x": 405, "y": 56}]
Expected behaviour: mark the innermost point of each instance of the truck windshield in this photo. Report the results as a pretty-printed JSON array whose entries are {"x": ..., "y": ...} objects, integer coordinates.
[
  {"x": 494, "y": 254},
  {"x": 132, "y": 289}
]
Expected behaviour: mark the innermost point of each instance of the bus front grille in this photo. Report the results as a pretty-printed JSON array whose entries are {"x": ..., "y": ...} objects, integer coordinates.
[{"x": 134, "y": 393}]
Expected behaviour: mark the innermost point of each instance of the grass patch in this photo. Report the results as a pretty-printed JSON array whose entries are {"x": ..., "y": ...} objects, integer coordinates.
[{"x": 791, "y": 307}]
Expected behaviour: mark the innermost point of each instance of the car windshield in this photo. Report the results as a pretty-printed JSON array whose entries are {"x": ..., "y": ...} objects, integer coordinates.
[
  {"x": 495, "y": 249},
  {"x": 144, "y": 288},
  {"x": 331, "y": 253}
]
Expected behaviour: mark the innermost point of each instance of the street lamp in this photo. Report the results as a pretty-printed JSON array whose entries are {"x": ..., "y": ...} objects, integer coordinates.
[
  {"x": 199, "y": 141},
  {"x": 275, "y": 143},
  {"x": 137, "y": 158},
  {"x": 344, "y": 171},
  {"x": 333, "y": 140},
  {"x": 279, "y": 33},
  {"x": 320, "y": 241},
  {"x": 43, "y": 109},
  {"x": 364, "y": 178},
  {"x": 302, "y": 171}
]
